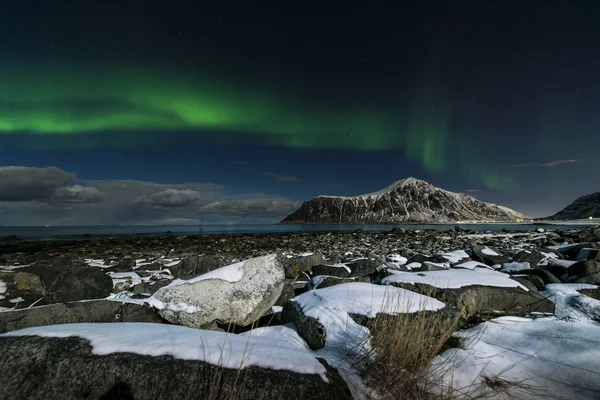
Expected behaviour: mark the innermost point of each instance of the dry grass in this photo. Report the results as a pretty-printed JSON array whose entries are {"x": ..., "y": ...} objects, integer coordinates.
[{"x": 399, "y": 365}]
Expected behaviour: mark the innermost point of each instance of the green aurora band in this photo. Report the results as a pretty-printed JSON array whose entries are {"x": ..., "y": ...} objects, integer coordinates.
[{"x": 64, "y": 101}]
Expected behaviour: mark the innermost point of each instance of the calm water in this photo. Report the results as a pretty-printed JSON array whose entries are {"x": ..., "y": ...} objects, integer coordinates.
[{"x": 73, "y": 232}]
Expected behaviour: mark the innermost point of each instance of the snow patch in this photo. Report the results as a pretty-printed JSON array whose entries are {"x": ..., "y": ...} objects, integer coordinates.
[
  {"x": 278, "y": 347},
  {"x": 455, "y": 278},
  {"x": 515, "y": 266}
]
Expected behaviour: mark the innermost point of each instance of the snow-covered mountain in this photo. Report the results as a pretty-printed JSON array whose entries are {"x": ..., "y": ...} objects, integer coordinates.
[
  {"x": 408, "y": 200},
  {"x": 582, "y": 208}
]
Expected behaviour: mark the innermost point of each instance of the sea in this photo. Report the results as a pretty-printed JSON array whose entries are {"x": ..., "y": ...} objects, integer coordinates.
[{"x": 113, "y": 231}]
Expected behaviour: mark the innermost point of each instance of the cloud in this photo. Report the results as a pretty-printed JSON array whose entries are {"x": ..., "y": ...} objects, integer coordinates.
[
  {"x": 170, "y": 198},
  {"x": 281, "y": 178},
  {"x": 550, "y": 164},
  {"x": 49, "y": 196},
  {"x": 27, "y": 183},
  {"x": 78, "y": 194},
  {"x": 252, "y": 208},
  {"x": 560, "y": 162}
]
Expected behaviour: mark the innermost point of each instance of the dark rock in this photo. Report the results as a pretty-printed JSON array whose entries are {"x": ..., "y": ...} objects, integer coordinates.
[
  {"x": 298, "y": 264},
  {"x": 560, "y": 271},
  {"x": 588, "y": 254},
  {"x": 572, "y": 252},
  {"x": 429, "y": 266},
  {"x": 127, "y": 263},
  {"x": 65, "y": 368},
  {"x": 531, "y": 282},
  {"x": 418, "y": 258},
  {"x": 533, "y": 257},
  {"x": 593, "y": 293},
  {"x": 321, "y": 282},
  {"x": 76, "y": 312},
  {"x": 592, "y": 234},
  {"x": 458, "y": 229},
  {"x": 486, "y": 300},
  {"x": 310, "y": 329},
  {"x": 194, "y": 265},
  {"x": 287, "y": 293},
  {"x": 593, "y": 279},
  {"x": 358, "y": 268},
  {"x": 478, "y": 253},
  {"x": 21, "y": 285},
  {"x": 584, "y": 268},
  {"x": 67, "y": 281},
  {"x": 547, "y": 277}
]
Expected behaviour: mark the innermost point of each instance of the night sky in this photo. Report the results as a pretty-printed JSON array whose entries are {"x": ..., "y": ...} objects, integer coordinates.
[{"x": 237, "y": 111}]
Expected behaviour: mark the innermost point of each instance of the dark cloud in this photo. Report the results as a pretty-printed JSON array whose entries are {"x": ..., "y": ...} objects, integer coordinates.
[
  {"x": 27, "y": 184},
  {"x": 171, "y": 198},
  {"x": 252, "y": 208},
  {"x": 45, "y": 196},
  {"x": 281, "y": 178}
]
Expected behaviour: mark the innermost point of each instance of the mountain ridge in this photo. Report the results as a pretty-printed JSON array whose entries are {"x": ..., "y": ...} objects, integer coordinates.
[
  {"x": 582, "y": 208},
  {"x": 408, "y": 200}
]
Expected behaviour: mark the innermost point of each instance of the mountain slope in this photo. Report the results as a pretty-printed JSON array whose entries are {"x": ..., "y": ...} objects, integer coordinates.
[
  {"x": 408, "y": 200},
  {"x": 582, "y": 208}
]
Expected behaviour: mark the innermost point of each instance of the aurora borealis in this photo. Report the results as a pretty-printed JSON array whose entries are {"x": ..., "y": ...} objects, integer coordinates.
[{"x": 344, "y": 100}]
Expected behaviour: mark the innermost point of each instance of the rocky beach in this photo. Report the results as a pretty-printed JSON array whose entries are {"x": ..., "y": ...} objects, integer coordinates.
[{"x": 137, "y": 315}]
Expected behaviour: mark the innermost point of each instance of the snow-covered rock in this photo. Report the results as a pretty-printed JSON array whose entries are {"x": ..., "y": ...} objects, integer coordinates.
[
  {"x": 512, "y": 357},
  {"x": 239, "y": 293}
]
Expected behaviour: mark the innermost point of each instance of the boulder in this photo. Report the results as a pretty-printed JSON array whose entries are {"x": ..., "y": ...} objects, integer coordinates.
[
  {"x": 431, "y": 266},
  {"x": 486, "y": 300},
  {"x": 488, "y": 256},
  {"x": 588, "y": 254},
  {"x": 194, "y": 265},
  {"x": 572, "y": 252},
  {"x": 301, "y": 263},
  {"x": 547, "y": 277},
  {"x": 533, "y": 257},
  {"x": 356, "y": 268},
  {"x": 309, "y": 328},
  {"x": 584, "y": 268},
  {"x": 65, "y": 281},
  {"x": 590, "y": 235},
  {"x": 66, "y": 368},
  {"x": 321, "y": 281},
  {"x": 76, "y": 312},
  {"x": 20, "y": 289},
  {"x": 593, "y": 279},
  {"x": 593, "y": 293},
  {"x": 236, "y": 294},
  {"x": 531, "y": 282}
]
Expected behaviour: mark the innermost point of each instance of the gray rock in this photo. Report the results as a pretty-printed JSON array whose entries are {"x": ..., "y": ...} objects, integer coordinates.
[
  {"x": 533, "y": 257},
  {"x": 429, "y": 266},
  {"x": 21, "y": 285},
  {"x": 302, "y": 263},
  {"x": 592, "y": 234},
  {"x": 320, "y": 281},
  {"x": 584, "y": 268},
  {"x": 486, "y": 300},
  {"x": 531, "y": 282},
  {"x": 76, "y": 312},
  {"x": 240, "y": 302},
  {"x": 309, "y": 328},
  {"x": 547, "y": 277},
  {"x": 593, "y": 279},
  {"x": 194, "y": 265},
  {"x": 593, "y": 293},
  {"x": 65, "y": 368},
  {"x": 588, "y": 254},
  {"x": 67, "y": 281},
  {"x": 478, "y": 253}
]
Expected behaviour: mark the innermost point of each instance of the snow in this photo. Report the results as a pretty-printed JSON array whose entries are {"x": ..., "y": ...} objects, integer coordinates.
[
  {"x": 397, "y": 259},
  {"x": 3, "y": 287},
  {"x": 99, "y": 263},
  {"x": 230, "y": 273},
  {"x": 455, "y": 256},
  {"x": 538, "y": 358},
  {"x": 515, "y": 266},
  {"x": 172, "y": 263},
  {"x": 305, "y": 254},
  {"x": 316, "y": 281},
  {"x": 489, "y": 252},
  {"x": 471, "y": 265},
  {"x": 339, "y": 265},
  {"x": 455, "y": 278},
  {"x": 570, "y": 304},
  {"x": 278, "y": 347},
  {"x": 119, "y": 277},
  {"x": 16, "y": 300},
  {"x": 413, "y": 265}
]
